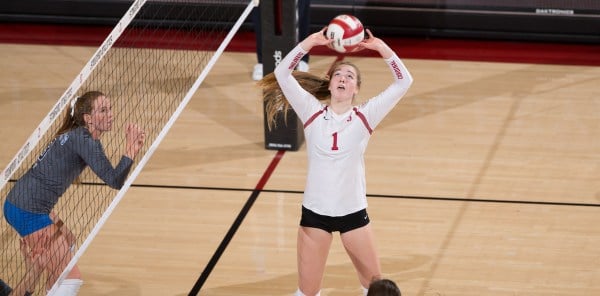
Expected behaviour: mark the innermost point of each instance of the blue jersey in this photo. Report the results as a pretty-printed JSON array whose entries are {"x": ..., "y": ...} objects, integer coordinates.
[{"x": 59, "y": 165}]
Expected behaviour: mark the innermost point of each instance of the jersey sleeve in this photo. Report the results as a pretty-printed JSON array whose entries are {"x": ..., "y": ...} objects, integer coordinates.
[
  {"x": 303, "y": 102},
  {"x": 93, "y": 155},
  {"x": 376, "y": 108}
]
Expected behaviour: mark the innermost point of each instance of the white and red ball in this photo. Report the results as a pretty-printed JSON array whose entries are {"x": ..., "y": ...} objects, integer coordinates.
[{"x": 346, "y": 32}]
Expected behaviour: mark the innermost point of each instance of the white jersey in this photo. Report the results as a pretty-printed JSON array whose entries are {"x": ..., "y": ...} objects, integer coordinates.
[{"x": 336, "y": 143}]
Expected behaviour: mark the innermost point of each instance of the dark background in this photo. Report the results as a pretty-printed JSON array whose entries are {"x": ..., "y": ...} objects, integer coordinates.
[{"x": 575, "y": 21}]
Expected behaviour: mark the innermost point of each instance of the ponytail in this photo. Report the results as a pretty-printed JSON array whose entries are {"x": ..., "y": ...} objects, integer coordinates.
[
  {"x": 81, "y": 105},
  {"x": 275, "y": 102}
]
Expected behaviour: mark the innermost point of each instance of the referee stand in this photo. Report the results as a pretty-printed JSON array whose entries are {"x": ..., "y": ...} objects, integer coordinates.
[{"x": 279, "y": 25}]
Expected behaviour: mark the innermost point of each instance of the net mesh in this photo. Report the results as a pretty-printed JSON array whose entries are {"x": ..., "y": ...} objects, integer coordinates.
[{"x": 146, "y": 73}]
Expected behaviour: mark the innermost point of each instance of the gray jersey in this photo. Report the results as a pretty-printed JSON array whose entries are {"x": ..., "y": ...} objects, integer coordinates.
[{"x": 59, "y": 165}]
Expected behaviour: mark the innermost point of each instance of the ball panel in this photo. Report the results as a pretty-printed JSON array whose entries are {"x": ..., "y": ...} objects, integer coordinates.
[
  {"x": 335, "y": 31},
  {"x": 349, "y": 24},
  {"x": 346, "y": 32}
]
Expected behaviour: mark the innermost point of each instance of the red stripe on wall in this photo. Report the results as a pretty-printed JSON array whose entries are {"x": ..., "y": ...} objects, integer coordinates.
[{"x": 244, "y": 41}]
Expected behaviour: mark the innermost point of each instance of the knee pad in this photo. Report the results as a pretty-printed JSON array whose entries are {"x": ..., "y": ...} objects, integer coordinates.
[{"x": 69, "y": 287}]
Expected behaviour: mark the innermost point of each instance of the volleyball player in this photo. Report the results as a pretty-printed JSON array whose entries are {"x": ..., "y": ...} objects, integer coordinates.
[
  {"x": 336, "y": 133},
  {"x": 29, "y": 205}
]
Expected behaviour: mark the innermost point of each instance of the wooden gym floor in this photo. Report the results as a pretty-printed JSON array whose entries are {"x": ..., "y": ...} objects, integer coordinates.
[{"x": 484, "y": 180}]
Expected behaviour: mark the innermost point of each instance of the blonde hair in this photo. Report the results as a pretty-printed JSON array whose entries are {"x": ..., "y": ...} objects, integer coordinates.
[{"x": 275, "y": 102}]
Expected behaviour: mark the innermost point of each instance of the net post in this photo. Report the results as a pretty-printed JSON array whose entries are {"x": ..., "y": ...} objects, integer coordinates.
[
  {"x": 279, "y": 36},
  {"x": 144, "y": 159}
]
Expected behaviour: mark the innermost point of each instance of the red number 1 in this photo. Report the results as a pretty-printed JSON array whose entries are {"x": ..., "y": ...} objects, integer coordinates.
[{"x": 335, "y": 146}]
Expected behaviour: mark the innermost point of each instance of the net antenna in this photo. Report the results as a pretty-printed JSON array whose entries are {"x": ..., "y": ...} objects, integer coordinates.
[{"x": 150, "y": 66}]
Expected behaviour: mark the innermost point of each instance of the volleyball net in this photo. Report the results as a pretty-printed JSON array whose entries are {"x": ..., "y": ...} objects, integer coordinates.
[{"x": 150, "y": 65}]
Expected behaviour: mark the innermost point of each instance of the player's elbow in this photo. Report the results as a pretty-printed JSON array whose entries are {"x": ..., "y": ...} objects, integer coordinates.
[{"x": 116, "y": 183}]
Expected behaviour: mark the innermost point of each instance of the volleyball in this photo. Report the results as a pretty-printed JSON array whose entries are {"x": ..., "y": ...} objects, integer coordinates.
[{"x": 346, "y": 31}]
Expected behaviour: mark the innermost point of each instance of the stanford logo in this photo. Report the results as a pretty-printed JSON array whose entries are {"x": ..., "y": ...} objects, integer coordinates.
[
  {"x": 397, "y": 70},
  {"x": 296, "y": 60}
]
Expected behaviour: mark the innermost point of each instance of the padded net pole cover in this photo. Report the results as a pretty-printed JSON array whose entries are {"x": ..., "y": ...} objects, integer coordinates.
[{"x": 279, "y": 36}]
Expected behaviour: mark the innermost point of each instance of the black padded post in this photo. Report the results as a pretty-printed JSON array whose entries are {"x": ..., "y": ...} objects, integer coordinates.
[{"x": 279, "y": 36}]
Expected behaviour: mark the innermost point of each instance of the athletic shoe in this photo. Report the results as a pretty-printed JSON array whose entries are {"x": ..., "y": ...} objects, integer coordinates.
[
  {"x": 257, "y": 74},
  {"x": 303, "y": 66}
]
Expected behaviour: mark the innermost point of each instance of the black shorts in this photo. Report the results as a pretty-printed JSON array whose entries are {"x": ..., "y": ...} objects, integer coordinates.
[{"x": 332, "y": 224}]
